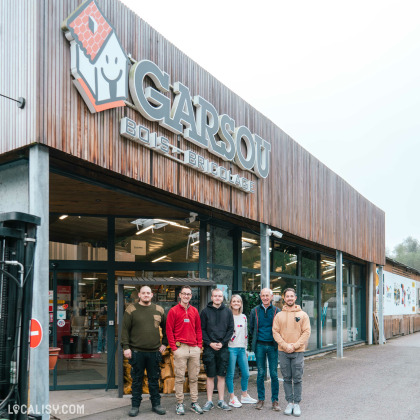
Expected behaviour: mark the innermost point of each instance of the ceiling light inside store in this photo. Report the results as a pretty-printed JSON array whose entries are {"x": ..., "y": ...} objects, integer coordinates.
[
  {"x": 331, "y": 277},
  {"x": 257, "y": 275},
  {"x": 90, "y": 278},
  {"x": 195, "y": 243},
  {"x": 63, "y": 216},
  {"x": 160, "y": 258},
  {"x": 145, "y": 229},
  {"x": 290, "y": 263},
  {"x": 171, "y": 223},
  {"x": 82, "y": 284},
  {"x": 329, "y": 270},
  {"x": 251, "y": 241}
]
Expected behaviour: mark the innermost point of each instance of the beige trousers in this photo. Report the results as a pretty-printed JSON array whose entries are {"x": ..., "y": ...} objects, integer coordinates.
[{"x": 186, "y": 357}]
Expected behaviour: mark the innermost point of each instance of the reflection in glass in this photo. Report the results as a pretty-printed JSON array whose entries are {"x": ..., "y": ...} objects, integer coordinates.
[
  {"x": 328, "y": 315},
  {"x": 285, "y": 259},
  {"x": 78, "y": 238},
  {"x": 156, "y": 240},
  {"x": 327, "y": 268},
  {"x": 309, "y": 304},
  {"x": 251, "y": 281},
  {"x": 346, "y": 272},
  {"x": 356, "y": 275},
  {"x": 251, "y": 251},
  {"x": 351, "y": 314},
  {"x": 309, "y": 265},
  {"x": 220, "y": 250},
  {"x": 223, "y": 280},
  {"x": 278, "y": 284}
]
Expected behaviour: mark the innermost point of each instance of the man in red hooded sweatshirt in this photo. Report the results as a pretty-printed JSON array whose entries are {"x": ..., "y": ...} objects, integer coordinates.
[{"x": 291, "y": 330}]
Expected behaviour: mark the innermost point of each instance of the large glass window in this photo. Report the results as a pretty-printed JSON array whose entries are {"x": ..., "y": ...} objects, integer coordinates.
[
  {"x": 356, "y": 275},
  {"x": 81, "y": 327},
  {"x": 156, "y": 240},
  {"x": 220, "y": 250},
  {"x": 278, "y": 285},
  {"x": 309, "y": 265},
  {"x": 327, "y": 268},
  {"x": 223, "y": 280},
  {"x": 251, "y": 251},
  {"x": 351, "y": 314},
  {"x": 78, "y": 238},
  {"x": 328, "y": 315},
  {"x": 309, "y": 303},
  {"x": 251, "y": 281},
  {"x": 346, "y": 273},
  {"x": 285, "y": 259}
]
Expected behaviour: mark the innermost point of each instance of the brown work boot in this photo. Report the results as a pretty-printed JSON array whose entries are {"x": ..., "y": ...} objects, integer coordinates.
[
  {"x": 259, "y": 405},
  {"x": 275, "y": 406}
]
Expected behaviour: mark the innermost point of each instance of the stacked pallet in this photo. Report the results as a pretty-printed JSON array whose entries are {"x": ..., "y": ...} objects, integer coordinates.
[{"x": 167, "y": 376}]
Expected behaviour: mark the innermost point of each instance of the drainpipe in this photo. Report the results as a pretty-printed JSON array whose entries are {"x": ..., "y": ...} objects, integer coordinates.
[
  {"x": 381, "y": 338},
  {"x": 370, "y": 303},
  {"x": 339, "y": 301},
  {"x": 265, "y": 256}
]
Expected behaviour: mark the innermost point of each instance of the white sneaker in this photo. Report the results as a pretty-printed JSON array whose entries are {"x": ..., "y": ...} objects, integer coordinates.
[
  {"x": 296, "y": 410},
  {"x": 289, "y": 409},
  {"x": 234, "y": 402},
  {"x": 248, "y": 400}
]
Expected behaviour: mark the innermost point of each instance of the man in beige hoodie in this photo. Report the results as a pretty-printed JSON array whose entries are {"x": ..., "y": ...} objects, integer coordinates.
[{"x": 291, "y": 330}]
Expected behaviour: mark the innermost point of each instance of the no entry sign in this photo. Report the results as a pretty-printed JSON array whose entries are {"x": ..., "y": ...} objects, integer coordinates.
[{"x": 35, "y": 333}]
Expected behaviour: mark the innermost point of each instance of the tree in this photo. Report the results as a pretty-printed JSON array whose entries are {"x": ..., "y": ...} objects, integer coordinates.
[{"x": 408, "y": 253}]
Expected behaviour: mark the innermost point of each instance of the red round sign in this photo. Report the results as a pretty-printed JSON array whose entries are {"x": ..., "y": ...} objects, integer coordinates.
[{"x": 35, "y": 333}]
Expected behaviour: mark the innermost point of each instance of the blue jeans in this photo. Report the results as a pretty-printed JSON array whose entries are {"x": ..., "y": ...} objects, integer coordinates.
[
  {"x": 237, "y": 354},
  {"x": 262, "y": 353}
]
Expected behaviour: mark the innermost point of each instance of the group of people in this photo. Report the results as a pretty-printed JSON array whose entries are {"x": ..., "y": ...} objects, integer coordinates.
[{"x": 222, "y": 332}]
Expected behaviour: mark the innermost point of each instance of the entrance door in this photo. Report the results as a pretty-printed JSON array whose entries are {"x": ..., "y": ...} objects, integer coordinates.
[{"x": 79, "y": 327}]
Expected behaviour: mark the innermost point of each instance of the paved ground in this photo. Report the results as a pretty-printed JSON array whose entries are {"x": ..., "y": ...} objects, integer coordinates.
[{"x": 370, "y": 382}]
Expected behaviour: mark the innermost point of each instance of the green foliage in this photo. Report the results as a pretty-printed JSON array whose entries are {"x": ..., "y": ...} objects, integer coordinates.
[
  {"x": 408, "y": 253},
  {"x": 250, "y": 300}
]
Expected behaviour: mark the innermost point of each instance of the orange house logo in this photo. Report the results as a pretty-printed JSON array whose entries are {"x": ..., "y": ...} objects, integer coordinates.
[{"x": 99, "y": 64}]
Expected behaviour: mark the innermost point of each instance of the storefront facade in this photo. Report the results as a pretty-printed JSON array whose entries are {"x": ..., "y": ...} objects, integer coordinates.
[{"x": 146, "y": 169}]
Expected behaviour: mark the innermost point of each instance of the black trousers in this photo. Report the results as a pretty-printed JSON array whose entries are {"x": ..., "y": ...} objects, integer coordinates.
[{"x": 139, "y": 362}]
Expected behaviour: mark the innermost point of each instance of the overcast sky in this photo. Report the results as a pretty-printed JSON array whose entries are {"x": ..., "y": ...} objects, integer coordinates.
[{"x": 342, "y": 78}]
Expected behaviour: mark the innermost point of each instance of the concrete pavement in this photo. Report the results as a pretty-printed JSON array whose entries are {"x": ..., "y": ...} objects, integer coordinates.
[{"x": 370, "y": 382}]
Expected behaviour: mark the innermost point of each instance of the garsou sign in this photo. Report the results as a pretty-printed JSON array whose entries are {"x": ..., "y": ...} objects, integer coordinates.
[{"x": 102, "y": 74}]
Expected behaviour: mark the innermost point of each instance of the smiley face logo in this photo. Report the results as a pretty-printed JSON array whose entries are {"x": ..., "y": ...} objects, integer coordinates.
[{"x": 99, "y": 64}]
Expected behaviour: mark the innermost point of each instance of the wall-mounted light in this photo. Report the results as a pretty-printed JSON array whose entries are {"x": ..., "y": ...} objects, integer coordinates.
[
  {"x": 20, "y": 101},
  {"x": 192, "y": 218},
  {"x": 275, "y": 233}
]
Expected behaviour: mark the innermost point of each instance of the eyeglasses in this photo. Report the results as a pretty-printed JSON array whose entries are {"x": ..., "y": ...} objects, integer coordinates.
[{"x": 186, "y": 294}]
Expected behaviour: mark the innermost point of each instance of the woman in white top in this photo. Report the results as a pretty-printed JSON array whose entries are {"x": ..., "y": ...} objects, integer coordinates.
[{"x": 238, "y": 353}]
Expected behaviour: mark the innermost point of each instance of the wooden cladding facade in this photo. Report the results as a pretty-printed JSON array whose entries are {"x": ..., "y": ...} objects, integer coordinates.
[{"x": 301, "y": 195}]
